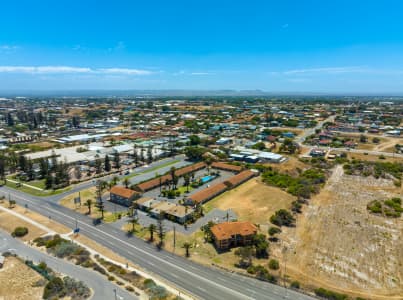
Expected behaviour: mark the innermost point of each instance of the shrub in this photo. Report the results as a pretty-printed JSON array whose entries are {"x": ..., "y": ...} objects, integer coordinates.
[
  {"x": 75, "y": 288},
  {"x": 295, "y": 285},
  {"x": 273, "y": 264},
  {"x": 158, "y": 292},
  {"x": 274, "y": 230},
  {"x": 251, "y": 270},
  {"x": 111, "y": 278},
  {"x": 326, "y": 294},
  {"x": 39, "y": 241},
  {"x": 129, "y": 288},
  {"x": 99, "y": 269},
  {"x": 53, "y": 288},
  {"x": 148, "y": 283},
  {"x": 56, "y": 240},
  {"x": 65, "y": 249},
  {"x": 20, "y": 232},
  {"x": 283, "y": 217}
]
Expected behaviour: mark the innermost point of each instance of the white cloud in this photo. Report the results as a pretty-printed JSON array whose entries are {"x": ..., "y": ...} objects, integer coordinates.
[
  {"x": 201, "y": 73},
  {"x": 71, "y": 70},
  {"x": 9, "y": 47},
  {"x": 328, "y": 70},
  {"x": 124, "y": 71}
]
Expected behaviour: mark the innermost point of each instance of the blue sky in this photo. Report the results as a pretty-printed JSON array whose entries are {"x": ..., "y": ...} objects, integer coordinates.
[{"x": 278, "y": 46}]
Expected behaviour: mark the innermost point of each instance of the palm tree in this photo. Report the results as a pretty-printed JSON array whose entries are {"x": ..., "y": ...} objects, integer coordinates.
[
  {"x": 100, "y": 205},
  {"x": 88, "y": 203},
  {"x": 187, "y": 246},
  {"x": 172, "y": 171},
  {"x": 208, "y": 163},
  {"x": 126, "y": 182},
  {"x": 186, "y": 178},
  {"x": 134, "y": 221},
  {"x": 152, "y": 228},
  {"x": 115, "y": 180}
]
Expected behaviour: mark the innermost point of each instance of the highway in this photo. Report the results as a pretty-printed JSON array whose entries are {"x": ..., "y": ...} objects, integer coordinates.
[
  {"x": 199, "y": 281},
  {"x": 102, "y": 288}
]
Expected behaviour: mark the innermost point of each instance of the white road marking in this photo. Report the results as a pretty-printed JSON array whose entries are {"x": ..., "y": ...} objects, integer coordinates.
[{"x": 243, "y": 296}]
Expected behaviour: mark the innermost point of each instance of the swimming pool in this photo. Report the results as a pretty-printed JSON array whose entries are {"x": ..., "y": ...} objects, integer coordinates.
[{"x": 207, "y": 178}]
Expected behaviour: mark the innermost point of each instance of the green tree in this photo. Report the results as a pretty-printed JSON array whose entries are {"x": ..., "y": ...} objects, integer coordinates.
[
  {"x": 116, "y": 160},
  {"x": 161, "y": 230},
  {"x": 149, "y": 155},
  {"x": 186, "y": 179},
  {"x": 282, "y": 217},
  {"x": 98, "y": 166},
  {"x": 151, "y": 229},
  {"x": 245, "y": 256},
  {"x": 194, "y": 140},
  {"x": 107, "y": 164},
  {"x": 133, "y": 221},
  {"x": 261, "y": 246},
  {"x": 88, "y": 203},
  {"x": 187, "y": 246}
]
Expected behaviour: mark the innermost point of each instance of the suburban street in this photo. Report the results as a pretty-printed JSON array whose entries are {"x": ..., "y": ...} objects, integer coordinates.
[
  {"x": 102, "y": 288},
  {"x": 358, "y": 151},
  {"x": 309, "y": 131},
  {"x": 199, "y": 281}
]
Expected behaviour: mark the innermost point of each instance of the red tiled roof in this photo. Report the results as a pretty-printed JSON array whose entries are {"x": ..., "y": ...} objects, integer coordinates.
[
  {"x": 224, "y": 231},
  {"x": 150, "y": 184},
  {"x": 208, "y": 193},
  {"x": 239, "y": 178},
  {"x": 123, "y": 192},
  {"x": 225, "y": 166}
]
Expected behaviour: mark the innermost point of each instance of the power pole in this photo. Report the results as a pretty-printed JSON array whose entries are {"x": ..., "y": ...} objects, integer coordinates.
[{"x": 174, "y": 237}]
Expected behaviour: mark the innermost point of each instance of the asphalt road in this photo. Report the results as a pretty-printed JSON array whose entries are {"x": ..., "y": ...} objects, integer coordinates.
[
  {"x": 199, "y": 281},
  {"x": 103, "y": 289},
  {"x": 309, "y": 131},
  {"x": 358, "y": 151}
]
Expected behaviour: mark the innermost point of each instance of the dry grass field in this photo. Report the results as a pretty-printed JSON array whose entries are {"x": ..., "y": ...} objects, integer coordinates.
[
  {"x": 17, "y": 280},
  {"x": 290, "y": 166},
  {"x": 88, "y": 194},
  {"x": 9, "y": 222},
  {"x": 253, "y": 201},
  {"x": 338, "y": 245}
]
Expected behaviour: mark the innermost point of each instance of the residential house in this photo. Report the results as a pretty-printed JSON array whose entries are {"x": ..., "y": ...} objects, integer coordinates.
[
  {"x": 123, "y": 196},
  {"x": 232, "y": 234}
]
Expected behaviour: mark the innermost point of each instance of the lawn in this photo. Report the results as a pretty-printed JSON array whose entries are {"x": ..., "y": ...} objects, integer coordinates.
[
  {"x": 154, "y": 168},
  {"x": 37, "y": 183},
  {"x": 35, "y": 192}
]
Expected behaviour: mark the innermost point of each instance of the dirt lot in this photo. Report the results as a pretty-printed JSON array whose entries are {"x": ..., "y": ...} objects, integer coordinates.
[
  {"x": 9, "y": 222},
  {"x": 17, "y": 281},
  {"x": 87, "y": 194},
  {"x": 253, "y": 201},
  {"x": 290, "y": 166},
  {"x": 338, "y": 245}
]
